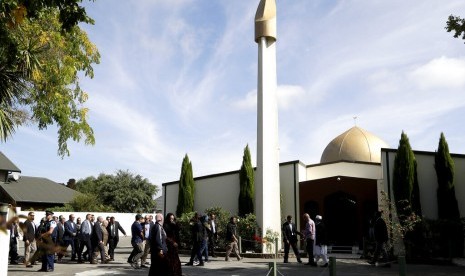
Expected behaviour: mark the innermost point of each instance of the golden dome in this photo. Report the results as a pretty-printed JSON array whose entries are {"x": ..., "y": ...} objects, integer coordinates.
[{"x": 355, "y": 144}]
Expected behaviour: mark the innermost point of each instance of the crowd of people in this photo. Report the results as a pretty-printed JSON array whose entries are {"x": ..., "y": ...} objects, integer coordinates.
[
  {"x": 50, "y": 240},
  {"x": 93, "y": 238},
  {"x": 314, "y": 236}
]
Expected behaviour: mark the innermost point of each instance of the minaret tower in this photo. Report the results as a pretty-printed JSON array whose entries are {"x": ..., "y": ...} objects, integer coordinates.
[{"x": 267, "y": 184}]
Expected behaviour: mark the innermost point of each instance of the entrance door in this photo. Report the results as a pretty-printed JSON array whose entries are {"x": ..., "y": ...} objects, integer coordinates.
[{"x": 341, "y": 218}]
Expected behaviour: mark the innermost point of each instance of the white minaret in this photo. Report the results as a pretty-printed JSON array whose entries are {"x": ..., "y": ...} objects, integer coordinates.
[{"x": 267, "y": 184}]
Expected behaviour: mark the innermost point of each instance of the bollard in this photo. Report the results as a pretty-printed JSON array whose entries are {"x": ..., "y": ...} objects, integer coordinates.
[
  {"x": 332, "y": 266},
  {"x": 402, "y": 265},
  {"x": 239, "y": 244},
  {"x": 272, "y": 267},
  {"x": 276, "y": 249}
]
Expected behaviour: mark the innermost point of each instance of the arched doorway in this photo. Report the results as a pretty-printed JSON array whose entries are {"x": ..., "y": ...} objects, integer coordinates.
[
  {"x": 311, "y": 207},
  {"x": 341, "y": 218}
]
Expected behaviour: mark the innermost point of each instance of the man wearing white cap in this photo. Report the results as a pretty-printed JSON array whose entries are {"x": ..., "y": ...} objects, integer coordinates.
[{"x": 321, "y": 248}]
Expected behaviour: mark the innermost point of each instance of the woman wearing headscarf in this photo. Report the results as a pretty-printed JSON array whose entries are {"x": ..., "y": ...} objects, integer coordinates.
[{"x": 172, "y": 242}]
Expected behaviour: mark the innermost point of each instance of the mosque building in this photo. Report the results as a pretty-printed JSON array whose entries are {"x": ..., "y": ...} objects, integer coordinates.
[{"x": 345, "y": 187}]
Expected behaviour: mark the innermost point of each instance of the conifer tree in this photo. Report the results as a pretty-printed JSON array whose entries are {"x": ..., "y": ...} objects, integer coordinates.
[
  {"x": 445, "y": 169},
  {"x": 247, "y": 185},
  {"x": 186, "y": 188},
  {"x": 405, "y": 184}
]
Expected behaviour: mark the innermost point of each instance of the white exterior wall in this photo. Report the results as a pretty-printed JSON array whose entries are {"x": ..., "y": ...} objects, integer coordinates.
[
  {"x": 220, "y": 191},
  {"x": 223, "y": 190},
  {"x": 170, "y": 192},
  {"x": 289, "y": 190},
  {"x": 361, "y": 170},
  {"x": 427, "y": 181}
]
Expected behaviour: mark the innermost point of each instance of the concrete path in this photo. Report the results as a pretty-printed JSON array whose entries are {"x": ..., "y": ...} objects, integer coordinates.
[{"x": 245, "y": 267}]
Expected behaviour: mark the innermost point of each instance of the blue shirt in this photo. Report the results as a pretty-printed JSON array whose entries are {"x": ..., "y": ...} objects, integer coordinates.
[{"x": 136, "y": 230}]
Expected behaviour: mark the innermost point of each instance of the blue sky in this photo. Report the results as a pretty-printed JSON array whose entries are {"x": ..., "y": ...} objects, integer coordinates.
[{"x": 179, "y": 77}]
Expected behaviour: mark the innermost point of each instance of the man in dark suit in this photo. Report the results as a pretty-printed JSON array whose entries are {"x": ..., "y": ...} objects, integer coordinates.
[
  {"x": 159, "y": 262},
  {"x": 113, "y": 229},
  {"x": 212, "y": 234},
  {"x": 59, "y": 239},
  {"x": 97, "y": 242},
  {"x": 69, "y": 236},
  {"x": 29, "y": 237},
  {"x": 290, "y": 239}
]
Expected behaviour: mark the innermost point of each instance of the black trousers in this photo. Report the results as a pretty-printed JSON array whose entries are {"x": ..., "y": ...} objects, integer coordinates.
[
  {"x": 13, "y": 250},
  {"x": 309, "y": 248},
  {"x": 292, "y": 243},
  {"x": 211, "y": 245},
  {"x": 85, "y": 241},
  {"x": 112, "y": 243},
  {"x": 196, "y": 252}
]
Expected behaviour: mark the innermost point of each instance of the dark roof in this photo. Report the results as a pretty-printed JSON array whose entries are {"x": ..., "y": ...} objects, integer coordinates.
[
  {"x": 7, "y": 165},
  {"x": 160, "y": 201},
  {"x": 37, "y": 189}
]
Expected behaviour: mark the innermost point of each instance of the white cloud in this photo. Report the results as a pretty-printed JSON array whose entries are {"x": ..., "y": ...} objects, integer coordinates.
[
  {"x": 288, "y": 96},
  {"x": 441, "y": 72}
]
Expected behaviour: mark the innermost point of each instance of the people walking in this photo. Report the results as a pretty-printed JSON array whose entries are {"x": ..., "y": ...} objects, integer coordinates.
[
  {"x": 381, "y": 238},
  {"x": 85, "y": 238},
  {"x": 29, "y": 237},
  {"x": 231, "y": 239},
  {"x": 113, "y": 236},
  {"x": 47, "y": 243},
  {"x": 212, "y": 235},
  {"x": 290, "y": 239},
  {"x": 172, "y": 242},
  {"x": 159, "y": 261},
  {"x": 70, "y": 235},
  {"x": 321, "y": 244},
  {"x": 14, "y": 235},
  {"x": 196, "y": 238},
  {"x": 147, "y": 225},
  {"x": 309, "y": 234},
  {"x": 137, "y": 239}
]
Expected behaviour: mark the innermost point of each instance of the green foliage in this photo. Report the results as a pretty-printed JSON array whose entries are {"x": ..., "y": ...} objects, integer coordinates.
[
  {"x": 42, "y": 51},
  {"x": 457, "y": 25},
  {"x": 247, "y": 185},
  {"x": 248, "y": 230},
  {"x": 404, "y": 182},
  {"x": 445, "y": 170},
  {"x": 222, "y": 219},
  {"x": 185, "y": 229},
  {"x": 407, "y": 223},
  {"x": 186, "y": 188},
  {"x": 123, "y": 192},
  {"x": 445, "y": 237},
  {"x": 82, "y": 203}
]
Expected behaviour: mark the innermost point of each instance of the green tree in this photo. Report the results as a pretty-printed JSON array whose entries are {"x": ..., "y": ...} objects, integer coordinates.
[
  {"x": 186, "y": 188},
  {"x": 84, "y": 203},
  {"x": 42, "y": 51},
  {"x": 405, "y": 184},
  {"x": 451, "y": 228},
  {"x": 123, "y": 192},
  {"x": 247, "y": 185},
  {"x": 445, "y": 170},
  {"x": 457, "y": 25}
]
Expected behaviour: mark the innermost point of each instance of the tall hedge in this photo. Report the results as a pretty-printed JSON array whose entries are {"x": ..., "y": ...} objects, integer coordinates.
[
  {"x": 247, "y": 185},
  {"x": 186, "y": 188}
]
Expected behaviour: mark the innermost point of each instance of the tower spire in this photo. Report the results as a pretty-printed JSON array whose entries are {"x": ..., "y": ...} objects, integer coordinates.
[{"x": 267, "y": 183}]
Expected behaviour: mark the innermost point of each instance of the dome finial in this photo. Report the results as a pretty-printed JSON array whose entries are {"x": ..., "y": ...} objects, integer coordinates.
[{"x": 355, "y": 120}]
